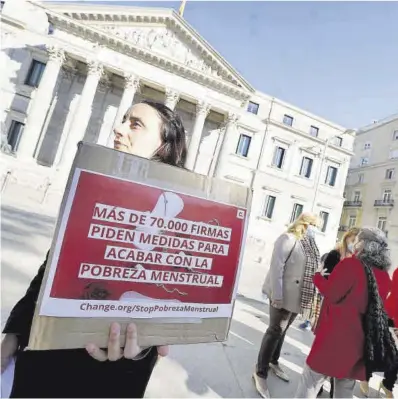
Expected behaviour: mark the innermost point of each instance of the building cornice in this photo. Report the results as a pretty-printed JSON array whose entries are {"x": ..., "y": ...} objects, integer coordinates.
[
  {"x": 5, "y": 19},
  {"x": 390, "y": 162},
  {"x": 309, "y": 137},
  {"x": 378, "y": 124},
  {"x": 300, "y": 111},
  {"x": 77, "y": 22}
]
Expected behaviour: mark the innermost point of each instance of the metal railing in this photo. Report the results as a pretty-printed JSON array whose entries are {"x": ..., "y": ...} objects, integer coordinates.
[
  {"x": 352, "y": 203},
  {"x": 343, "y": 228},
  {"x": 384, "y": 202}
]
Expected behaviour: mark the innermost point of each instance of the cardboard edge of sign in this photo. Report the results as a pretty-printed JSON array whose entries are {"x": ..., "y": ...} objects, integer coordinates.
[{"x": 48, "y": 333}]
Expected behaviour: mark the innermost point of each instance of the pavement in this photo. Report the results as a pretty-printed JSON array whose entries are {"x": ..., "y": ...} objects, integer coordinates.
[{"x": 190, "y": 371}]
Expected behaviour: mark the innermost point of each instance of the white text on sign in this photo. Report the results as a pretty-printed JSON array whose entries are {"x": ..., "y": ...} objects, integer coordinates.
[
  {"x": 136, "y": 218},
  {"x": 157, "y": 258},
  {"x": 110, "y": 233},
  {"x": 103, "y": 272}
]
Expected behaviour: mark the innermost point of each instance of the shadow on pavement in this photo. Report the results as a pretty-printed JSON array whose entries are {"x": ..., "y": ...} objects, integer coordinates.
[{"x": 225, "y": 369}]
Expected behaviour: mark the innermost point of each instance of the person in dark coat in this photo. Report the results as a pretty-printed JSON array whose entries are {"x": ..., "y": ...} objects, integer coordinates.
[
  {"x": 148, "y": 130},
  {"x": 345, "y": 339},
  {"x": 390, "y": 301}
]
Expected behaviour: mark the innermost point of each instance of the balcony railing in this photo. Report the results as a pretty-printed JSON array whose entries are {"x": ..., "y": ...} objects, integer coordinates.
[
  {"x": 384, "y": 202},
  {"x": 351, "y": 204},
  {"x": 343, "y": 228}
]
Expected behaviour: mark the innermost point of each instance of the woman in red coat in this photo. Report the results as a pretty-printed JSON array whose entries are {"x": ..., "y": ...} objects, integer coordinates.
[
  {"x": 391, "y": 304},
  {"x": 338, "y": 348},
  {"x": 392, "y": 300}
]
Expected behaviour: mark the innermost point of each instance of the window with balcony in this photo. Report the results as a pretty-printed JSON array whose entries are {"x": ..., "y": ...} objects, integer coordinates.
[
  {"x": 367, "y": 146},
  {"x": 331, "y": 176},
  {"x": 306, "y": 167},
  {"x": 269, "y": 206},
  {"x": 382, "y": 223},
  {"x": 390, "y": 174},
  {"x": 387, "y": 196},
  {"x": 14, "y": 135},
  {"x": 297, "y": 211},
  {"x": 357, "y": 196},
  {"x": 314, "y": 131},
  {"x": 352, "y": 222},
  {"x": 243, "y": 145},
  {"x": 288, "y": 120},
  {"x": 361, "y": 178},
  {"x": 253, "y": 107},
  {"x": 324, "y": 221},
  {"x": 35, "y": 73},
  {"x": 279, "y": 157},
  {"x": 364, "y": 161}
]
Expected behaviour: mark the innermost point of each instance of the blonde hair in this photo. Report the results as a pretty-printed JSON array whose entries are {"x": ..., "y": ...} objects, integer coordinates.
[
  {"x": 298, "y": 228},
  {"x": 342, "y": 245}
]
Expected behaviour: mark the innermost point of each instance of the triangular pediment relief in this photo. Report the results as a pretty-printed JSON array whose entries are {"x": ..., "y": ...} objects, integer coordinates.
[
  {"x": 162, "y": 41},
  {"x": 158, "y": 31}
]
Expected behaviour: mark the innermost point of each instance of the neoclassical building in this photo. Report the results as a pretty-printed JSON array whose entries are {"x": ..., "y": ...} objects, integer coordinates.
[{"x": 70, "y": 71}]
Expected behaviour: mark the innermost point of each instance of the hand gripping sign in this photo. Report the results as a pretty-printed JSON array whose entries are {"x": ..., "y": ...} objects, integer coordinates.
[{"x": 130, "y": 248}]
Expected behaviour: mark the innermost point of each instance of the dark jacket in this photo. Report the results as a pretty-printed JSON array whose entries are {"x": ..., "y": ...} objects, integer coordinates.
[
  {"x": 69, "y": 373},
  {"x": 331, "y": 260}
]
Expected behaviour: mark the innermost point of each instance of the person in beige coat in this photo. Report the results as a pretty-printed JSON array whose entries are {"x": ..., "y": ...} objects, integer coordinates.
[{"x": 290, "y": 290}]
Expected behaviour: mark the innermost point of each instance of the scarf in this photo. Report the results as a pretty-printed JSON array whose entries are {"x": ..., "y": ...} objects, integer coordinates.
[
  {"x": 316, "y": 310},
  {"x": 380, "y": 350},
  {"x": 312, "y": 257}
]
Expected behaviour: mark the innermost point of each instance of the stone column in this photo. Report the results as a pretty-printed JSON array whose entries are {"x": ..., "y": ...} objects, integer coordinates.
[
  {"x": 131, "y": 85},
  {"x": 81, "y": 116},
  {"x": 40, "y": 104},
  {"x": 202, "y": 110},
  {"x": 172, "y": 97},
  {"x": 228, "y": 131}
]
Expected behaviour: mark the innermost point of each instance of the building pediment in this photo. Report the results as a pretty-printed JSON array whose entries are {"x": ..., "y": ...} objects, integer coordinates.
[
  {"x": 160, "y": 32},
  {"x": 164, "y": 42}
]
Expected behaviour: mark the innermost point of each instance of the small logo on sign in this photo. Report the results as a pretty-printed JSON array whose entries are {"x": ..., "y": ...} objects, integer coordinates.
[{"x": 240, "y": 214}]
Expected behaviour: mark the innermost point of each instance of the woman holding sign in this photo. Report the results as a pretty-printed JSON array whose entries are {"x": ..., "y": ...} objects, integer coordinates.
[{"x": 148, "y": 130}]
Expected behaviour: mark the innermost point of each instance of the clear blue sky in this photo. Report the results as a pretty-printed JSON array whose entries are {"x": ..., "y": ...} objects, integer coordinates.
[{"x": 338, "y": 60}]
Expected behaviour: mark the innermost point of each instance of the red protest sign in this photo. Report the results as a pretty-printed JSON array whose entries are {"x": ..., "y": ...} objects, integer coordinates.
[{"x": 129, "y": 243}]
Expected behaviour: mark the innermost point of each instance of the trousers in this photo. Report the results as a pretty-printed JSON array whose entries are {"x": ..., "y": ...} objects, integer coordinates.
[
  {"x": 271, "y": 345},
  {"x": 311, "y": 382}
]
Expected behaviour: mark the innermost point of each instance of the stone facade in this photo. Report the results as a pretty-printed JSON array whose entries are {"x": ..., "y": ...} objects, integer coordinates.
[
  {"x": 371, "y": 191},
  {"x": 97, "y": 60}
]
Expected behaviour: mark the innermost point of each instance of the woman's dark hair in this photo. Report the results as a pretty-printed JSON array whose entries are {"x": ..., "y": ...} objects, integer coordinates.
[{"x": 173, "y": 150}]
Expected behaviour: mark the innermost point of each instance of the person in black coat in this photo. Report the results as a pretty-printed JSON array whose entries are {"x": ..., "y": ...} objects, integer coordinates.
[
  {"x": 148, "y": 130},
  {"x": 344, "y": 249}
]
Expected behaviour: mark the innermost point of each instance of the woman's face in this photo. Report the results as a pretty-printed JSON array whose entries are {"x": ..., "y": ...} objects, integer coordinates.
[
  {"x": 350, "y": 240},
  {"x": 139, "y": 132}
]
